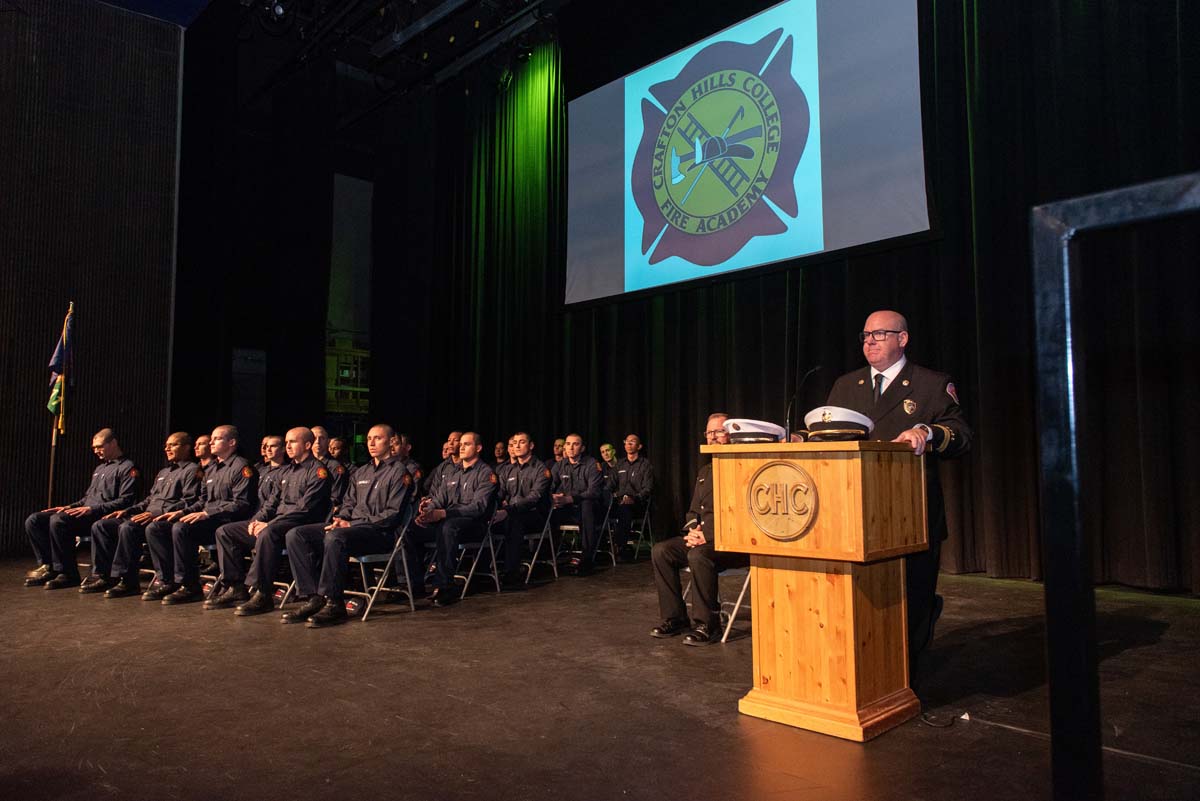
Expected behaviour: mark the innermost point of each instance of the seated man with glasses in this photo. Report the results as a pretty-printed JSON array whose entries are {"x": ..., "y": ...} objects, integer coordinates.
[
  {"x": 918, "y": 406},
  {"x": 694, "y": 550}
]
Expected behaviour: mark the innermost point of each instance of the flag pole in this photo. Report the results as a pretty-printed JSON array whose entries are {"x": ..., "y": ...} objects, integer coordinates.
[{"x": 53, "y": 450}]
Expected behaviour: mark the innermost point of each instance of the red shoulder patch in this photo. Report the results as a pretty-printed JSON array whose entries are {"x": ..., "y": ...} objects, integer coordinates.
[
  {"x": 599, "y": 469},
  {"x": 407, "y": 480},
  {"x": 547, "y": 472},
  {"x": 322, "y": 473},
  {"x": 951, "y": 391},
  {"x": 417, "y": 476},
  {"x": 340, "y": 470},
  {"x": 133, "y": 471},
  {"x": 247, "y": 472},
  {"x": 493, "y": 478}
]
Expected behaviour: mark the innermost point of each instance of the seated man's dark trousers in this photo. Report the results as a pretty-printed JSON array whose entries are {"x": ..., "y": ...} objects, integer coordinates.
[
  {"x": 311, "y": 546},
  {"x": 117, "y": 549},
  {"x": 672, "y": 555},
  {"x": 234, "y": 543},
  {"x": 583, "y": 514},
  {"x": 52, "y": 535},
  {"x": 623, "y": 516},
  {"x": 516, "y": 526},
  {"x": 185, "y": 542},
  {"x": 447, "y": 534}
]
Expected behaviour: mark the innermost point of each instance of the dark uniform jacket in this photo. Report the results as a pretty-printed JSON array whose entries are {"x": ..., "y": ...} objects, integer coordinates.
[
  {"x": 341, "y": 480},
  {"x": 268, "y": 483},
  {"x": 378, "y": 495},
  {"x": 635, "y": 479},
  {"x": 526, "y": 487},
  {"x": 701, "y": 508},
  {"x": 414, "y": 470},
  {"x": 583, "y": 480},
  {"x": 228, "y": 491},
  {"x": 303, "y": 495},
  {"x": 467, "y": 492},
  {"x": 916, "y": 395},
  {"x": 113, "y": 487},
  {"x": 176, "y": 486},
  {"x": 438, "y": 474}
]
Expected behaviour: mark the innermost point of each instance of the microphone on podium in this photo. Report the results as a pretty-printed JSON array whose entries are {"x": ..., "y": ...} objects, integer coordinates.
[{"x": 787, "y": 423}]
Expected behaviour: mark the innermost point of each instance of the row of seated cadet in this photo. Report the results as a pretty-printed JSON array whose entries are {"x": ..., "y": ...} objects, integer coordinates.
[{"x": 303, "y": 502}]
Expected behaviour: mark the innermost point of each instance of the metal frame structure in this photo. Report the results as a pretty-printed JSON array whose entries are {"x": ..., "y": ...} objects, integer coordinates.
[{"x": 1071, "y": 663}]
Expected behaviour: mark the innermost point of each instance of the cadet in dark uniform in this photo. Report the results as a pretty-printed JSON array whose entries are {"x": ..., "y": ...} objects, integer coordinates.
[
  {"x": 694, "y": 550},
  {"x": 460, "y": 507},
  {"x": 367, "y": 523},
  {"x": 303, "y": 498},
  {"x": 337, "y": 470},
  {"x": 118, "y": 537},
  {"x": 52, "y": 531},
  {"x": 401, "y": 446},
  {"x": 203, "y": 451},
  {"x": 919, "y": 406},
  {"x": 633, "y": 484},
  {"x": 450, "y": 457},
  {"x": 174, "y": 537},
  {"x": 339, "y": 449},
  {"x": 578, "y": 495},
  {"x": 524, "y": 493}
]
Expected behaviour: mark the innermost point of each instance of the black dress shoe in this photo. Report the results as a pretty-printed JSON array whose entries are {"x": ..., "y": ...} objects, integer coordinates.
[
  {"x": 39, "y": 572},
  {"x": 184, "y": 594},
  {"x": 310, "y": 607},
  {"x": 332, "y": 614},
  {"x": 444, "y": 596},
  {"x": 158, "y": 590},
  {"x": 227, "y": 597},
  {"x": 259, "y": 603},
  {"x": 699, "y": 635},
  {"x": 585, "y": 568},
  {"x": 61, "y": 582},
  {"x": 669, "y": 628},
  {"x": 95, "y": 584},
  {"x": 122, "y": 589},
  {"x": 42, "y": 580}
]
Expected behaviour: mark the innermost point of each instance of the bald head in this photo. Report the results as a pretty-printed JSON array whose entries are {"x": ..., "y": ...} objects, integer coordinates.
[
  {"x": 299, "y": 444},
  {"x": 884, "y": 338}
]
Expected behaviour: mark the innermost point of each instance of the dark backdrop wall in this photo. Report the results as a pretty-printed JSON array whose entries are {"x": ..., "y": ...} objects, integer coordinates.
[
  {"x": 88, "y": 131},
  {"x": 1024, "y": 103}
]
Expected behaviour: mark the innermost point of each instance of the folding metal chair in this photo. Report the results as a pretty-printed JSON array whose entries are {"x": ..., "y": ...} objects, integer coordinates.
[
  {"x": 645, "y": 532},
  {"x": 371, "y": 593},
  {"x": 466, "y": 548},
  {"x": 546, "y": 534},
  {"x": 604, "y": 531},
  {"x": 730, "y": 616}
]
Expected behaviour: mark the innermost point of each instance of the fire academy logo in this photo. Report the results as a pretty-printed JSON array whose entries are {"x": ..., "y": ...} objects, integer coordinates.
[{"x": 734, "y": 129}]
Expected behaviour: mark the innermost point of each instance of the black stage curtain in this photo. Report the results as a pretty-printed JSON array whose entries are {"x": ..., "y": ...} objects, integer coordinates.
[
  {"x": 88, "y": 124},
  {"x": 1024, "y": 103}
]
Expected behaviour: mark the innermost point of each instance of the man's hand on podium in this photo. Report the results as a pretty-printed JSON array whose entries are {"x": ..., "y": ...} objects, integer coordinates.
[{"x": 915, "y": 437}]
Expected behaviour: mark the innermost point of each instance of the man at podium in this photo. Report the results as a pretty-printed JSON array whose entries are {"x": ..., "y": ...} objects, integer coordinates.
[{"x": 919, "y": 406}]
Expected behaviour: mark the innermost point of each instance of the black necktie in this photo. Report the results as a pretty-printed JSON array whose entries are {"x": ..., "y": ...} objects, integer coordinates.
[{"x": 878, "y": 386}]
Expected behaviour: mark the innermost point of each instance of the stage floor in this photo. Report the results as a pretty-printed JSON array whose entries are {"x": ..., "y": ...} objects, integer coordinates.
[{"x": 556, "y": 692}]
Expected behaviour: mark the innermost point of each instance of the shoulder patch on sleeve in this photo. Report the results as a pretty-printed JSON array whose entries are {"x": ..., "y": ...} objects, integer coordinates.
[
  {"x": 407, "y": 480},
  {"x": 200, "y": 473},
  {"x": 133, "y": 471},
  {"x": 340, "y": 470},
  {"x": 599, "y": 469},
  {"x": 951, "y": 391},
  {"x": 247, "y": 472},
  {"x": 322, "y": 473},
  {"x": 547, "y": 472},
  {"x": 417, "y": 476},
  {"x": 493, "y": 478}
]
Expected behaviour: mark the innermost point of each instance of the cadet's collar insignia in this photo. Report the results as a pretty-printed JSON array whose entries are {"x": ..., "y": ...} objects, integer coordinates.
[
  {"x": 247, "y": 472},
  {"x": 951, "y": 391},
  {"x": 910, "y": 405},
  {"x": 904, "y": 383},
  {"x": 322, "y": 473},
  {"x": 827, "y": 416},
  {"x": 862, "y": 381}
]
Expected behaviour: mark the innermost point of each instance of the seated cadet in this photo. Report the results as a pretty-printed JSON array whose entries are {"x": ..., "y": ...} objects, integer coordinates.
[
  {"x": 273, "y": 459},
  {"x": 401, "y": 446},
  {"x": 304, "y": 486},
  {"x": 174, "y": 537},
  {"x": 118, "y": 537},
  {"x": 633, "y": 484},
  {"x": 500, "y": 451},
  {"x": 460, "y": 508},
  {"x": 261, "y": 464},
  {"x": 337, "y": 470},
  {"x": 608, "y": 460},
  {"x": 53, "y": 530},
  {"x": 694, "y": 550},
  {"x": 450, "y": 457},
  {"x": 203, "y": 451},
  {"x": 339, "y": 449},
  {"x": 366, "y": 523},
  {"x": 578, "y": 495},
  {"x": 559, "y": 445},
  {"x": 524, "y": 502}
]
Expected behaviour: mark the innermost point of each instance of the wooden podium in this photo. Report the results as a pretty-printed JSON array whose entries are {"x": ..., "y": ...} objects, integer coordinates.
[{"x": 825, "y": 524}]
